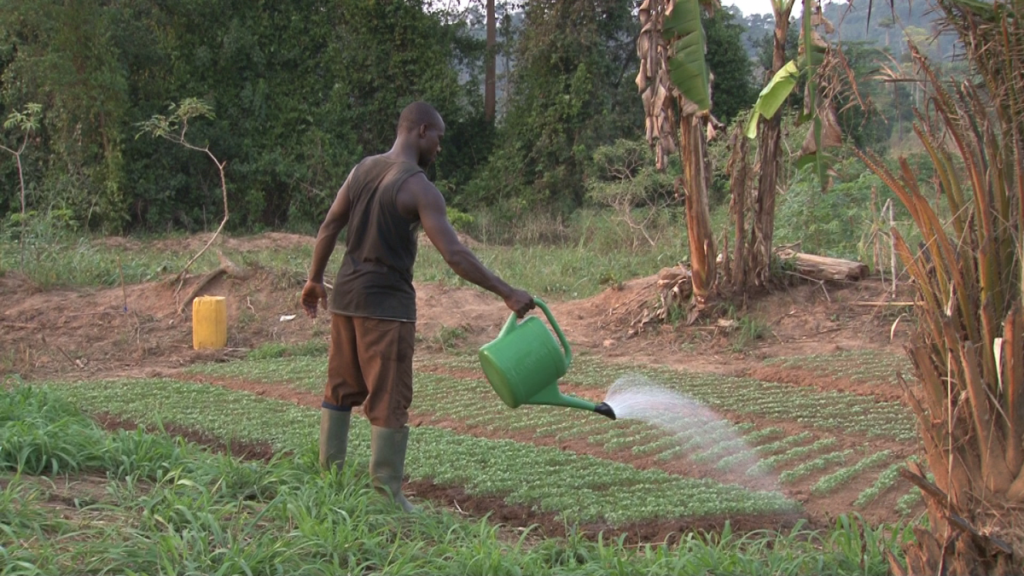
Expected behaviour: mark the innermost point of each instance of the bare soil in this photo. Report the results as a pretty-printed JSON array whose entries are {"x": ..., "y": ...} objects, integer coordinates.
[{"x": 136, "y": 331}]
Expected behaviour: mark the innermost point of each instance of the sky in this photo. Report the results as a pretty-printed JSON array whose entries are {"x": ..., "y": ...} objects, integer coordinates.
[{"x": 749, "y": 7}]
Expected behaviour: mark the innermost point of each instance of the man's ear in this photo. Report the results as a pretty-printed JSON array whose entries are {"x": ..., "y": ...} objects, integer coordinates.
[{"x": 423, "y": 131}]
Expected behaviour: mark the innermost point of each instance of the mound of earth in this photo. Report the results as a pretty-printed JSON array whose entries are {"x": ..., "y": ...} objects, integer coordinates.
[{"x": 138, "y": 329}]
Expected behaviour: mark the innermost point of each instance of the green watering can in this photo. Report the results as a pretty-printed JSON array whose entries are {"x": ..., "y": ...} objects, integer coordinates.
[{"x": 523, "y": 364}]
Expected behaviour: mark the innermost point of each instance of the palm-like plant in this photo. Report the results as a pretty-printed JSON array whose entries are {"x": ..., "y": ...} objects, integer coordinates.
[
  {"x": 674, "y": 83},
  {"x": 969, "y": 351}
]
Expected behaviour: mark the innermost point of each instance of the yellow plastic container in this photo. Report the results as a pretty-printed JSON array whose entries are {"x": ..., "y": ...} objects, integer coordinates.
[{"x": 209, "y": 322}]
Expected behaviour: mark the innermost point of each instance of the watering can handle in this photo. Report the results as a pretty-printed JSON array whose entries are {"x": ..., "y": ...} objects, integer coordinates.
[
  {"x": 561, "y": 337},
  {"x": 512, "y": 323}
]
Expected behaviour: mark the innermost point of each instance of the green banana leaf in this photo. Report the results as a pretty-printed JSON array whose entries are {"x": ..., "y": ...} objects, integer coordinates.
[
  {"x": 687, "y": 67},
  {"x": 773, "y": 95}
]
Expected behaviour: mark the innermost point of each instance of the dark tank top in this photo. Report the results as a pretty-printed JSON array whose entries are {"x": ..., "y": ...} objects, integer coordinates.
[{"x": 375, "y": 279}]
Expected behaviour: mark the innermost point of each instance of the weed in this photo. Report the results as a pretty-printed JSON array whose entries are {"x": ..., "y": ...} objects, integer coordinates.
[
  {"x": 316, "y": 347},
  {"x": 448, "y": 338},
  {"x": 749, "y": 330}
]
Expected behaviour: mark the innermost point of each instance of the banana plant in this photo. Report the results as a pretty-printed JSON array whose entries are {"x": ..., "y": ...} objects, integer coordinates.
[
  {"x": 687, "y": 66},
  {"x": 674, "y": 82},
  {"x": 812, "y": 55}
]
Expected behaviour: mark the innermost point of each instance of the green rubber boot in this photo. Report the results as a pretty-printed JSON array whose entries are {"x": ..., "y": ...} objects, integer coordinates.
[
  {"x": 333, "y": 437},
  {"x": 387, "y": 462}
]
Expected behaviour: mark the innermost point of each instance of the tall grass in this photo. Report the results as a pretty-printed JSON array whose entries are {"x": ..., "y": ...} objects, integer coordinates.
[
  {"x": 177, "y": 509},
  {"x": 572, "y": 259}
]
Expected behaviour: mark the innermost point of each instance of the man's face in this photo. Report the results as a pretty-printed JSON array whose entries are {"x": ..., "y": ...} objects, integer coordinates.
[{"x": 430, "y": 143}]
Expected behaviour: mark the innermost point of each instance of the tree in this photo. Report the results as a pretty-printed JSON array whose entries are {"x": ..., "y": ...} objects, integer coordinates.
[
  {"x": 768, "y": 158},
  {"x": 568, "y": 94},
  {"x": 968, "y": 352},
  {"x": 65, "y": 58},
  {"x": 303, "y": 90},
  {"x": 492, "y": 57},
  {"x": 674, "y": 81},
  {"x": 26, "y": 123},
  {"x": 173, "y": 128}
]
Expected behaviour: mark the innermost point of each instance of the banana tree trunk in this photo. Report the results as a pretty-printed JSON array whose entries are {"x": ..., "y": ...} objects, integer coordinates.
[
  {"x": 693, "y": 153},
  {"x": 769, "y": 146},
  {"x": 764, "y": 202},
  {"x": 739, "y": 185}
]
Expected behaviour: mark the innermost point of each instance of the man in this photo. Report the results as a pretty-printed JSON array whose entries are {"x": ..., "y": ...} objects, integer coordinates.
[{"x": 373, "y": 305}]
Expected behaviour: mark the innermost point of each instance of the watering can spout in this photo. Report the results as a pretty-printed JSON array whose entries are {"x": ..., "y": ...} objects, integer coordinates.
[{"x": 605, "y": 410}]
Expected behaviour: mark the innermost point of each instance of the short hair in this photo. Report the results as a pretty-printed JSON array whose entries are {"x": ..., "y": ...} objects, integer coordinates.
[{"x": 417, "y": 114}]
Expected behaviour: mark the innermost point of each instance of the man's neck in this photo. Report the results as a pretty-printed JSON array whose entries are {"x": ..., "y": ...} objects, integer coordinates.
[{"x": 404, "y": 150}]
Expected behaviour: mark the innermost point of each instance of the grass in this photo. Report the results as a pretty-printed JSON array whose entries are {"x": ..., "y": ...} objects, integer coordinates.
[
  {"x": 568, "y": 272},
  {"x": 174, "y": 508},
  {"x": 57, "y": 258}
]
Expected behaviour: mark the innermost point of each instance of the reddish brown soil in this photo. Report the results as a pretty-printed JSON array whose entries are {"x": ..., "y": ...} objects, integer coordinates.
[
  {"x": 247, "y": 450},
  {"x": 86, "y": 334},
  {"x": 549, "y": 525}
]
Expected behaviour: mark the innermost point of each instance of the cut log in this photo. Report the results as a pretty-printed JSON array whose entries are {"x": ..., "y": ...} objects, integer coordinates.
[{"x": 825, "y": 268}]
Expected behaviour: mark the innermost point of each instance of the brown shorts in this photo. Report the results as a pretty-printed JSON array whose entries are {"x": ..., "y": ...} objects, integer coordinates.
[{"x": 370, "y": 365}]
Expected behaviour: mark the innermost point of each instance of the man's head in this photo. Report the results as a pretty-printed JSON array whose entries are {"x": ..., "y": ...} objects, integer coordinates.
[{"x": 421, "y": 124}]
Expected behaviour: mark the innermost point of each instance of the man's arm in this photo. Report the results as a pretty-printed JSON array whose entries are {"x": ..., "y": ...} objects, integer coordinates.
[
  {"x": 336, "y": 219},
  {"x": 419, "y": 194}
]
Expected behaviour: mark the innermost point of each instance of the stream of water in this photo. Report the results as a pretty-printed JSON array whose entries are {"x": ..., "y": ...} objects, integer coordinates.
[{"x": 696, "y": 427}]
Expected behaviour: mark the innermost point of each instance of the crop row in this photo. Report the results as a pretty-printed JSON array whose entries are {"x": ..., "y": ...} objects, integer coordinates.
[
  {"x": 885, "y": 480},
  {"x": 826, "y": 410},
  {"x": 833, "y": 481},
  {"x": 474, "y": 403},
  {"x": 577, "y": 486},
  {"x": 796, "y": 453},
  {"x": 871, "y": 366},
  {"x": 819, "y": 463}
]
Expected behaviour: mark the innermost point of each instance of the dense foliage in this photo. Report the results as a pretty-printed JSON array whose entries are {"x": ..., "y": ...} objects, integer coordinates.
[{"x": 301, "y": 91}]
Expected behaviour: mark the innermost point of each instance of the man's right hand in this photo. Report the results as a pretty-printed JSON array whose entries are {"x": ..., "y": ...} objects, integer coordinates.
[
  {"x": 520, "y": 302},
  {"x": 313, "y": 294}
]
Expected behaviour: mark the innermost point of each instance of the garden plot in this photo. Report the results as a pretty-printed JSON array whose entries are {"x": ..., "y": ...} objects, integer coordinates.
[
  {"x": 871, "y": 373},
  {"x": 77, "y": 499},
  {"x": 774, "y": 436},
  {"x": 578, "y": 487},
  {"x": 830, "y": 411},
  {"x": 445, "y": 377}
]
